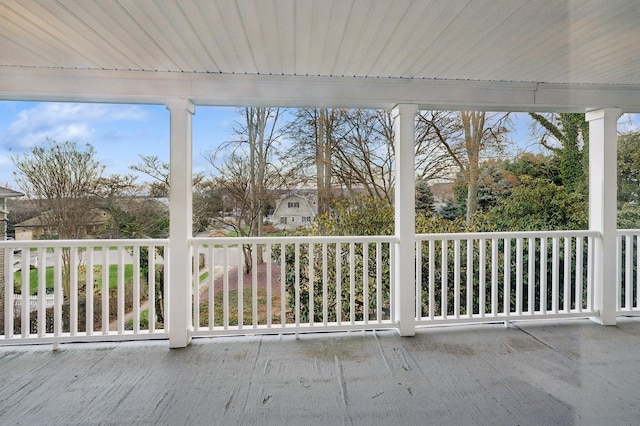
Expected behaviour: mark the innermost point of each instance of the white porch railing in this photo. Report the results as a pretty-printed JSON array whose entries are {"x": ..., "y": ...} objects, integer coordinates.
[
  {"x": 482, "y": 277},
  {"x": 627, "y": 272},
  {"x": 98, "y": 289},
  {"x": 304, "y": 283},
  {"x": 319, "y": 284}
]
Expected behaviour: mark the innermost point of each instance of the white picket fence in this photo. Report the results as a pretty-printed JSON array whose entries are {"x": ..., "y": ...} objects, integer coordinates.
[{"x": 33, "y": 302}]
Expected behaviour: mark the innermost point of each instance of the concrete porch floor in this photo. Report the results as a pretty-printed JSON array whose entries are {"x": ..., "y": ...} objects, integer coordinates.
[{"x": 575, "y": 372}]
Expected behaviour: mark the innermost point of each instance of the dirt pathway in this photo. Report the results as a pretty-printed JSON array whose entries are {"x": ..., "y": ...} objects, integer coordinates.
[{"x": 247, "y": 280}]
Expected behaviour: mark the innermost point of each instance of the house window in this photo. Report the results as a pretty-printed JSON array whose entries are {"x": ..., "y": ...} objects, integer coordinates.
[
  {"x": 293, "y": 219},
  {"x": 293, "y": 204},
  {"x": 306, "y": 219},
  {"x": 283, "y": 220}
]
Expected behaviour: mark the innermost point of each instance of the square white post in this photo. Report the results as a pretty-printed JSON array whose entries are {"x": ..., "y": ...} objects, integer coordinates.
[
  {"x": 603, "y": 203},
  {"x": 180, "y": 223},
  {"x": 405, "y": 222}
]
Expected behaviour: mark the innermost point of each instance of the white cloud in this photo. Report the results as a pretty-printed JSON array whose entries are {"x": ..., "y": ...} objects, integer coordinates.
[{"x": 64, "y": 121}]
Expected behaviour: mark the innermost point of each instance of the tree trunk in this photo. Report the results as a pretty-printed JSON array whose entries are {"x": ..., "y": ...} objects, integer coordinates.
[
  {"x": 159, "y": 296},
  {"x": 472, "y": 189},
  {"x": 247, "y": 255},
  {"x": 473, "y": 124},
  {"x": 320, "y": 158},
  {"x": 259, "y": 184},
  {"x": 328, "y": 154}
]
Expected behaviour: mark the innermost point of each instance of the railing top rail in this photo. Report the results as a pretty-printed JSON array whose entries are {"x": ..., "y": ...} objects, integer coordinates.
[
  {"x": 502, "y": 235},
  {"x": 628, "y": 232},
  {"x": 292, "y": 240},
  {"x": 83, "y": 243}
]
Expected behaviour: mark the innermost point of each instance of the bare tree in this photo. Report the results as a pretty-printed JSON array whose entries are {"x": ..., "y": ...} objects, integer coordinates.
[
  {"x": 248, "y": 171},
  {"x": 433, "y": 159},
  {"x": 155, "y": 168},
  {"x": 366, "y": 153},
  {"x": 205, "y": 201},
  {"x": 116, "y": 186},
  {"x": 317, "y": 132},
  {"x": 354, "y": 150},
  {"x": 159, "y": 171},
  {"x": 260, "y": 144},
  {"x": 63, "y": 179},
  {"x": 467, "y": 136},
  {"x": 479, "y": 137}
]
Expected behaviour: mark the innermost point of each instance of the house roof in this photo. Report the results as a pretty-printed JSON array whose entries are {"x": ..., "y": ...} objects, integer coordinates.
[
  {"x": 485, "y": 54},
  {"x": 96, "y": 217},
  {"x": 9, "y": 193},
  {"x": 311, "y": 206}
]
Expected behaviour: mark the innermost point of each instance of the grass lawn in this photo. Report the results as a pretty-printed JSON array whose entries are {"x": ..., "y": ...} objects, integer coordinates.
[
  {"x": 247, "y": 308},
  {"x": 97, "y": 276},
  {"x": 235, "y": 234},
  {"x": 233, "y": 310}
]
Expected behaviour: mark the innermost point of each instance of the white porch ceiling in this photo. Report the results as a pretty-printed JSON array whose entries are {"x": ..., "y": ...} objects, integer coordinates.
[{"x": 512, "y": 54}]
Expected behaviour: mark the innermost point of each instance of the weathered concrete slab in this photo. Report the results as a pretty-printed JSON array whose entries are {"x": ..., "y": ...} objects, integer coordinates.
[{"x": 571, "y": 373}]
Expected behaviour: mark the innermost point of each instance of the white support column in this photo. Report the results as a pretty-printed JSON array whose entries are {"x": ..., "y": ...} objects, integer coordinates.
[
  {"x": 180, "y": 226},
  {"x": 404, "y": 126},
  {"x": 603, "y": 202}
]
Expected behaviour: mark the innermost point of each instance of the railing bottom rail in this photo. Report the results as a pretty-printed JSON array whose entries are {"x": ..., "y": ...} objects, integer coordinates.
[
  {"x": 502, "y": 318},
  {"x": 293, "y": 329},
  {"x": 109, "y": 337}
]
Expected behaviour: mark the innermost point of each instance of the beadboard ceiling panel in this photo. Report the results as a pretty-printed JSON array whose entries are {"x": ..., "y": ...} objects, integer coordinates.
[{"x": 567, "y": 42}]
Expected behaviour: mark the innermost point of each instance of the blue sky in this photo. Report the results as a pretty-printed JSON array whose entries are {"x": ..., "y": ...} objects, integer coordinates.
[{"x": 120, "y": 133}]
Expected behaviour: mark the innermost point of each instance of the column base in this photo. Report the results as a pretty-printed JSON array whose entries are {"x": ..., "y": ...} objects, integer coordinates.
[
  {"x": 181, "y": 341},
  {"x": 604, "y": 320},
  {"x": 406, "y": 330}
]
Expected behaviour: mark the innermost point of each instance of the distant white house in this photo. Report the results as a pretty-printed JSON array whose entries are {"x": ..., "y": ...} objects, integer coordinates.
[
  {"x": 294, "y": 211},
  {"x": 6, "y": 194}
]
